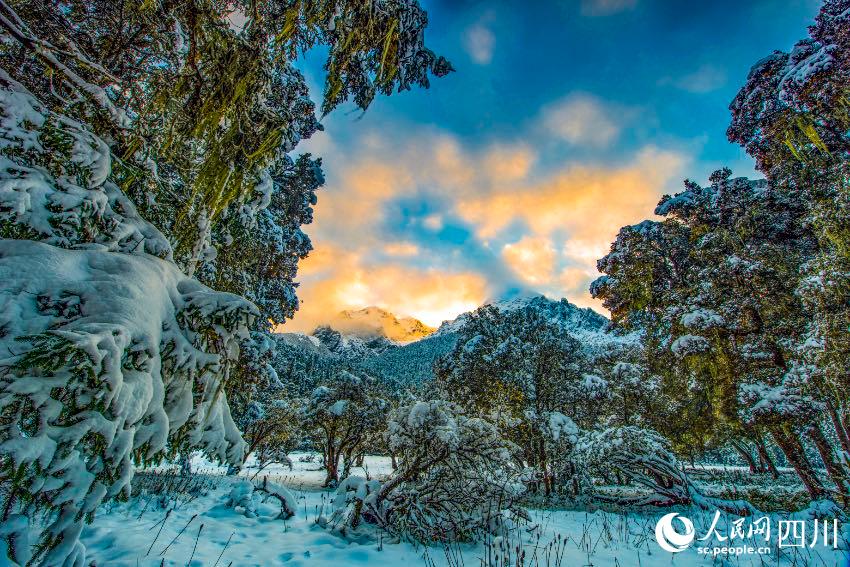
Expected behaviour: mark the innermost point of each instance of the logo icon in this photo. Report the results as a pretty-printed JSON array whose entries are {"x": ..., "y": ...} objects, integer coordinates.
[{"x": 671, "y": 540}]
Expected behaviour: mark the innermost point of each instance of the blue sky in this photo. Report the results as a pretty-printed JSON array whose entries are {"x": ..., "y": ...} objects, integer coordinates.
[{"x": 565, "y": 120}]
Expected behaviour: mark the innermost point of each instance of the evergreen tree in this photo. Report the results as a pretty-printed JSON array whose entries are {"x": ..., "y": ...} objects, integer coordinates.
[
  {"x": 343, "y": 417},
  {"x": 721, "y": 309},
  {"x": 146, "y": 150},
  {"x": 793, "y": 117},
  {"x": 515, "y": 369}
]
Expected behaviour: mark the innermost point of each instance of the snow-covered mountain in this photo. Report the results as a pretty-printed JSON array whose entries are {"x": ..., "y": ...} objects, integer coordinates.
[
  {"x": 561, "y": 312},
  {"x": 363, "y": 339},
  {"x": 352, "y": 346},
  {"x": 372, "y": 322},
  {"x": 359, "y": 334}
]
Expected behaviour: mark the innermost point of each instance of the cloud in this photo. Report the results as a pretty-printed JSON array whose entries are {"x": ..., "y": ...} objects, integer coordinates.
[
  {"x": 587, "y": 202},
  {"x": 574, "y": 281},
  {"x": 606, "y": 7},
  {"x": 479, "y": 42},
  {"x": 433, "y": 222},
  {"x": 583, "y": 120},
  {"x": 430, "y": 295},
  {"x": 403, "y": 249},
  {"x": 705, "y": 79},
  {"x": 533, "y": 258},
  {"x": 423, "y": 223},
  {"x": 508, "y": 163}
]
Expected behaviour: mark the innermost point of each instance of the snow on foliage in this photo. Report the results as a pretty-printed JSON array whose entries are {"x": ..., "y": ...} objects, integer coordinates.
[
  {"x": 341, "y": 417},
  {"x": 105, "y": 358},
  {"x": 54, "y": 182},
  {"x": 559, "y": 427},
  {"x": 247, "y": 498},
  {"x": 646, "y": 458},
  {"x": 689, "y": 344},
  {"x": 702, "y": 319},
  {"x": 787, "y": 399},
  {"x": 456, "y": 479},
  {"x": 109, "y": 354}
]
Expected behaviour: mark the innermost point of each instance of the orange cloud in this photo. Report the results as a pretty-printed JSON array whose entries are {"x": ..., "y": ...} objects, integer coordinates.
[
  {"x": 571, "y": 216},
  {"x": 590, "y": 203},
  {"x": 532, "y": 258},
  {"x": 336, "y": 280},
  {"x": 357, "y": 203},
  {"x": 505, "y": 164},
  {"x": 402, "y": 249}
]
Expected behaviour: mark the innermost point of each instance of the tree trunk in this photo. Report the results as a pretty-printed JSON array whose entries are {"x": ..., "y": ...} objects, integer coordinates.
[
  {"x": 331, "y": 464},
  {"x": 547, "y": 477},
  {"x": 765, "y": 458},
  {"x": 746, "y": 456},
  {"x": 393, "y": 461},
  {"x": 840, "y": 430},
  {"x": 347, "y": 461},
  {"x": 834, "y": 468},
  {"x": 794, "y": 452}
]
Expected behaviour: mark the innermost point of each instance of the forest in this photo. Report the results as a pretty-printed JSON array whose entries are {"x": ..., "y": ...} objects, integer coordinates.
[{"x": 154, "y": 209}]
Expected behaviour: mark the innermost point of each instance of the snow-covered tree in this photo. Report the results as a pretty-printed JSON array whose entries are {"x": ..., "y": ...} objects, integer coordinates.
[
  {"x": 792, "y": 117},
  {"x": 719, "y": 308},
  {"x": 111, "y": 356},
  {"x": 514, "y": 368},
  {"x": 259, "y": 243},
  {"x": 166, "y": 172},
  {"x": 456, "y": 478},
  {"x": 341, "y": 417},
  {"x": 208, "y": 108},
  {"x": 270, "y": 426},
  {"x": 645, "y": 458}
]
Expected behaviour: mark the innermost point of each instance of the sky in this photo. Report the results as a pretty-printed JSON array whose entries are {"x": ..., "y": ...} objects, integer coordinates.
[{"x": 564, "y": 121}]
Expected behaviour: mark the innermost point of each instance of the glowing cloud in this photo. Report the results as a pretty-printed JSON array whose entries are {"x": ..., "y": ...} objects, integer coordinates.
[
  {"x": 589, "y": 203},
  {"x": 429, "y": 295},
  {"x": 533, "y": 258},
  {"x": 429, "y": 226}
]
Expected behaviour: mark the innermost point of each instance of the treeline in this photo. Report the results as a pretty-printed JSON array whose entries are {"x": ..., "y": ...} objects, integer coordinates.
[{"x": 742, "y": 291}]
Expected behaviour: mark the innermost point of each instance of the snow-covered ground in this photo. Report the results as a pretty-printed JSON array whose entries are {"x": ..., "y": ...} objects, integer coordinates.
[{"x": 155, "y": 529}]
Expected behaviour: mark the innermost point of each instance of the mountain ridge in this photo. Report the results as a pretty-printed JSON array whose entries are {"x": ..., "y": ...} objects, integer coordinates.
[{"x": 411, "y": 362}]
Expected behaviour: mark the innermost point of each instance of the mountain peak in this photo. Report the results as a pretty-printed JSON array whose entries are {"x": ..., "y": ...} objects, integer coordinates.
[
  {"x": 560, "y": 311},
  {"x": 373, "y": 321}
]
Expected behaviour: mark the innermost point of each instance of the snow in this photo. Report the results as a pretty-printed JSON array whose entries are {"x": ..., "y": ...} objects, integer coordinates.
[
  {"x": 52, "y": 202},
  {"x": 114, "y": 322},
  {"x": 93, "y": 310},
  {"x": 702, "y": 319},
  {"x": 807, "y": 58},
  {"x": 338, "y": 407},
  {"x": 689, "y": 344},
  {"x": 123, "y": 534},
  {"x": 561, "y": 425}
]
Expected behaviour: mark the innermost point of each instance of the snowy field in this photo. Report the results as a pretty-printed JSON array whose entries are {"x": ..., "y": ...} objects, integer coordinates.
[{"x": 199, "y": 529}]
